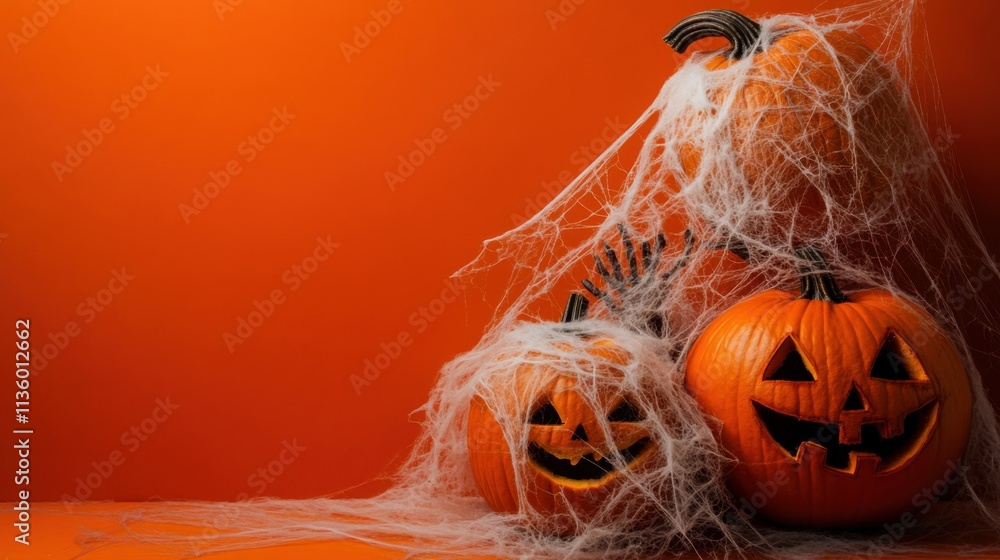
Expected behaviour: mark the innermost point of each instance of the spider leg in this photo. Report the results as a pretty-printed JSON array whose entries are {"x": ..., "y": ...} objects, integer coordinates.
[
  {"x": 657, "y": 251},
  {"x": 600, "y": 294},
  {"x": 616, "y": 267},
  {"x": 688, "y": 246},
  {"x": 633, "y": 265},
  {"x": 738, "y": 248},
  {"x": 647, "y": 256},
  {"x": 601, "y": 269}
]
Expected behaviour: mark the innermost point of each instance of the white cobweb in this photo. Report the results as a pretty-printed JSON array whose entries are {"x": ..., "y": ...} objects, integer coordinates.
[{"x": 874, "y": 196}]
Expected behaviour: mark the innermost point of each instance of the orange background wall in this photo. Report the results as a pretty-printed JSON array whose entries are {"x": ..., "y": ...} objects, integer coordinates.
[{"x": 144, "y": 398}]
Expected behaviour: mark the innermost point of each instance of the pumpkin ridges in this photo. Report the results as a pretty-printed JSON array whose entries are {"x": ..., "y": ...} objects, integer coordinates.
[
  {"x": 804, "y": 309},
  {"x": 549, "y": 500},
  {"x": 730, "y": 356},
  {"x": 904, "y": 321},
  {"x": 488, "y": 431},
  {"x": 792, "y": 107},
  {"x": 699, "y": 388}
]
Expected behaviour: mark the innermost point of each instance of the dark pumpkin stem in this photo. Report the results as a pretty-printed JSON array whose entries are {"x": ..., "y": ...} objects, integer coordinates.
[
  {"x": 576, "y": 308},
  {"x": 741, "y": 32},
  {"x": 818, "y": 282}
]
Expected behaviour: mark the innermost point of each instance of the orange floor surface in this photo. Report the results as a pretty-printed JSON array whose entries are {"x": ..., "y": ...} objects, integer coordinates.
[{"x": 55, "y": 530}]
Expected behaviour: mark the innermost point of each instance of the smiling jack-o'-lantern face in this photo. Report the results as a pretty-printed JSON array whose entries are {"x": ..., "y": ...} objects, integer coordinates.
[
  {"x": 849, "y": 433},
  {"x": 561, "y": 429},
  {"x": 571, "y": 444},
  {"x": 567, "y": 445},
  {"x": 839, "y": 410}
]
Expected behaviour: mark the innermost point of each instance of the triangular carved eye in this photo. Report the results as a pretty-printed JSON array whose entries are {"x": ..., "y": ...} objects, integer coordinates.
[
  {"x": 546, "y": 415},
  {"x": 896, "y": 361},
  {"x": 788, "y": 365}
]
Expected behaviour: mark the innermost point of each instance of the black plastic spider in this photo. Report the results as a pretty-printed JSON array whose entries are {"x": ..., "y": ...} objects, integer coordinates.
[{"x": 628, "y": 288}]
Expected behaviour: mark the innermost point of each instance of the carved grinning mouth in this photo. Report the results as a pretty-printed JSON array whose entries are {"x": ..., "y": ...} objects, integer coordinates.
[
  {"x": 790, "y": 432},
  {"x": 588, "y": 468}
]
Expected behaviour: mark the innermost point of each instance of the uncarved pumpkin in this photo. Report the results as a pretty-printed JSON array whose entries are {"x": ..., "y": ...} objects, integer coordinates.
[
  {"x": 809, "y": 115},
  {"x": 839, "y": 409}
]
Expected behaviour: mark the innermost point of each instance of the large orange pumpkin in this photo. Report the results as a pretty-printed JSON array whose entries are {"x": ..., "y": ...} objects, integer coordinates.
[
  {"x": 840, "y": 409},
  {"x": 576, "y": 449},
  {"x": 809, "y": 115}
]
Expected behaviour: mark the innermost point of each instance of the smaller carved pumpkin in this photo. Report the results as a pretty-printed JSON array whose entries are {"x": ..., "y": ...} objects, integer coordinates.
[
  {"x": 552, "y": 439},
  {"x": 840, "y": 409}
]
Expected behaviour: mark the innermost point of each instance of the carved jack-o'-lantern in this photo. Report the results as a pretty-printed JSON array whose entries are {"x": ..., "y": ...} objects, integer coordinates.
[
  {"x": 839, "y": 409},
  {"x": 579, "y": 440}
]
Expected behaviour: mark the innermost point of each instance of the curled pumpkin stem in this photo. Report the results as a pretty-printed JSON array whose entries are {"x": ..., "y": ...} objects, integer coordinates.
[{"x": 742, "y": 32}]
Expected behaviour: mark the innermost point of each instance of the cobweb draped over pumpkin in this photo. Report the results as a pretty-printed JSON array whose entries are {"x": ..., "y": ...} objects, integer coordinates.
[{"x": 755, "y": 162}]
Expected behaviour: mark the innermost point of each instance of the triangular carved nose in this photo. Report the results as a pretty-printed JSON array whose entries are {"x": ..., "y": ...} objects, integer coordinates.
[
  {"x": 855, "y": 400},
  {"x": 580, "y": 434}
]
